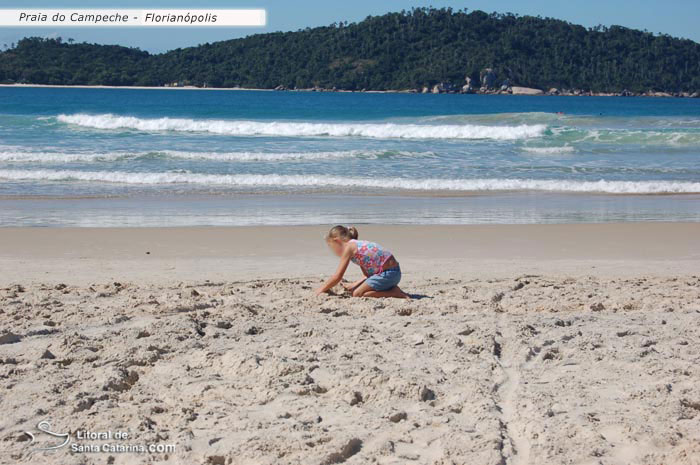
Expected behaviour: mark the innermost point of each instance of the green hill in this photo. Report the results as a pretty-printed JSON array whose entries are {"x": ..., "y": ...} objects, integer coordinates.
[{"x": 406, "y": 50}]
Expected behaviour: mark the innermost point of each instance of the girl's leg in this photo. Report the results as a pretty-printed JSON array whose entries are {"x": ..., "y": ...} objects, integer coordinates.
[
  {"x": 365, "y": 290},
  {"x": 394, "y": 292}
]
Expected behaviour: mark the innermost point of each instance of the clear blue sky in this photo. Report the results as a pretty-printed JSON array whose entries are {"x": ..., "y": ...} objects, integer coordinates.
[{"x": 676, "y": 17}]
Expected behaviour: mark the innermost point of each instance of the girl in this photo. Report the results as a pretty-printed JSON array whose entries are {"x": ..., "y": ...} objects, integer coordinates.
[{"x": 381, "y": 270}]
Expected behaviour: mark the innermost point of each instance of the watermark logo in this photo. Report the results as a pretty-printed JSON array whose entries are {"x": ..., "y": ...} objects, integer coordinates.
[
  {"x": 45, "y": 427},
  {"x": 85, "y": 441}
]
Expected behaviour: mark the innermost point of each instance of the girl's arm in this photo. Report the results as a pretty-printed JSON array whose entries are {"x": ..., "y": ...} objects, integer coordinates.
[
  {"x": 339, "y": 272},
  {"x": 352, "y": 286}
]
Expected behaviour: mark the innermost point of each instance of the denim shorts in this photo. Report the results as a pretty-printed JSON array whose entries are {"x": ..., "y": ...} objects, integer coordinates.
[{"x": 385, "y": 280}]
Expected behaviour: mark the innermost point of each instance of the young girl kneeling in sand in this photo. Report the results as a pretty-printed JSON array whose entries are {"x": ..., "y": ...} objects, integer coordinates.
[{"x": 381, "y": 270}]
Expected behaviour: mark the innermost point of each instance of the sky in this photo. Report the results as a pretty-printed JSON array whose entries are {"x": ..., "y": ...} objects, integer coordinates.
[{"x": 678, "y": 18}]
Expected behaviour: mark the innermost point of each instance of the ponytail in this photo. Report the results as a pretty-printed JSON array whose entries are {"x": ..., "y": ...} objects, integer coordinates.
[{"x": 341, "y": 232}]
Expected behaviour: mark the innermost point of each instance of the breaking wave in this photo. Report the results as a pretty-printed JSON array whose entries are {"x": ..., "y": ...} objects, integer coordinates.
[
  {"x": 549, "y": 150},
  {"x": 314, "y": 181},
  {"x": 565, "y": 131},
  {"x": 307, "y": 129}
]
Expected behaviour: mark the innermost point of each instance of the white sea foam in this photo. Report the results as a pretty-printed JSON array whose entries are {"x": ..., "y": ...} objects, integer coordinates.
[
  {"x": 307, "y": 129},
  {"x": 286, "y": 156},
  {"x": 550, "y": 150},
  {"x": 56, "y": 157},
  {"x": 59, "y": 157},
  {"x": 315, "y": 181}
]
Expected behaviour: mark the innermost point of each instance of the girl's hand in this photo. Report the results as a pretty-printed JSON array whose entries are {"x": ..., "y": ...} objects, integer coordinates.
[{"x": 339, "y": 272}]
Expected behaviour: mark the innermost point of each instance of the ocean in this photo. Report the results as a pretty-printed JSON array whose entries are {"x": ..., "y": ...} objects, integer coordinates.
[{"x": 140, "y": 157}]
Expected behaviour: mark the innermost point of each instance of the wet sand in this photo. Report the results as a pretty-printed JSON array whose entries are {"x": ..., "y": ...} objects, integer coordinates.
[{"x": 161, "y": 255}]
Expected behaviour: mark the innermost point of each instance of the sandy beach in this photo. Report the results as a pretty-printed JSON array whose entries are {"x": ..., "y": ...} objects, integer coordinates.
[
  {"x": 523, "y": 344},
  {"x": 170, "y": 292}
]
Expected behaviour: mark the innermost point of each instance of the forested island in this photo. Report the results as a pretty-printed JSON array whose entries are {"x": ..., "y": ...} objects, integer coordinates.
[{"x": 421, "y": 50}]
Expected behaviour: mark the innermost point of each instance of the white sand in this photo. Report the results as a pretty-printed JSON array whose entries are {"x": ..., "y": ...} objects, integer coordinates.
[{"x": 580, "y": 348}]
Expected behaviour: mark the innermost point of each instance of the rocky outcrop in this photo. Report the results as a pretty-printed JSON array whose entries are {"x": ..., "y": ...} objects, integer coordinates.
[
  {"x": 488, "y": 78},
  {"x": 515, "y": 90},
  {"x": 505, "y": 88},
  {"x": 444, "y": 88},
  {"x": 467, "y": 88}
]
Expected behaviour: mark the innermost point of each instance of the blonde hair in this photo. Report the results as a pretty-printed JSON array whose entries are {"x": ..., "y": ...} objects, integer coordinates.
[{"x": 341, "y": 232}]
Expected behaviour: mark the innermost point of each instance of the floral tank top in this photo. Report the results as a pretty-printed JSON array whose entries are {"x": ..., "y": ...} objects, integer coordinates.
[{"x": 370, "y": 257}]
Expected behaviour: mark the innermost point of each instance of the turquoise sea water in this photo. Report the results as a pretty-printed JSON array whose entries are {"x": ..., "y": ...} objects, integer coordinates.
[{"x": 105, "y": 157}]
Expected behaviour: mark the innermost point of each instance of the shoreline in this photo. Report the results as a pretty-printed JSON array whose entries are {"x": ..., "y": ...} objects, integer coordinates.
[
  {"x": 191, "y": 210},
  {"x": 541, "y": 93}
]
